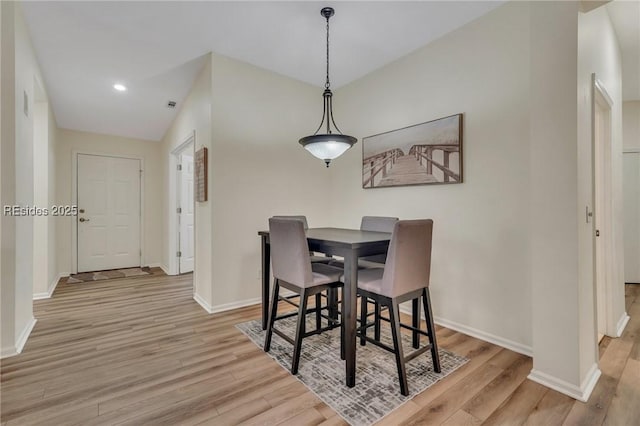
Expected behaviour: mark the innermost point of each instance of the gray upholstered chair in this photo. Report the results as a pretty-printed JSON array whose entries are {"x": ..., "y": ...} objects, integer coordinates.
[
  {"x": 303, "y": 219},
  {"x": 405, "y": 277},
  {"x": 293, "y": 270},
  {"x": 377, "y": 224}
]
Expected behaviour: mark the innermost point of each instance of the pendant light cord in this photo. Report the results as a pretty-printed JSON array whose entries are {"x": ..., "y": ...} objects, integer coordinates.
[{"x": 327, "y": 84}]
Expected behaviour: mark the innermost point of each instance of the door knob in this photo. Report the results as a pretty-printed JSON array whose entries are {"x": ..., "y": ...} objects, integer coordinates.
[
  {"x": 82, "y": 219},
  {"x": 597, "y": 232}
]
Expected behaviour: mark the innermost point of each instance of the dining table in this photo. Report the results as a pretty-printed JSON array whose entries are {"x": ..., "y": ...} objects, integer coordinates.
[{"x": 350, "y": 244}]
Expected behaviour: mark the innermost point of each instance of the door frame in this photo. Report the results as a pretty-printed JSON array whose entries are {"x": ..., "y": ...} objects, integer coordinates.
[
  {"x": 74, "y": 202},
  {"x": 600, "y": 97},
  {"x": 174, "y": 182}
]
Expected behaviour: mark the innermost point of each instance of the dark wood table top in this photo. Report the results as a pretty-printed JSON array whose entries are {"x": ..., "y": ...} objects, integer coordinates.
[{"x": 351, "y": 237}]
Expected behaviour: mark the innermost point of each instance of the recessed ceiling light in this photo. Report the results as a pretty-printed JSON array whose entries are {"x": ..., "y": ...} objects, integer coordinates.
[{"x": 120, "y": 87}]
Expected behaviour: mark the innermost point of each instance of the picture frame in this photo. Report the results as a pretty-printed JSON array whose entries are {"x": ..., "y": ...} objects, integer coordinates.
[
  {"x": 201, "y": 174},
  {"x": 428, "y": 153}
]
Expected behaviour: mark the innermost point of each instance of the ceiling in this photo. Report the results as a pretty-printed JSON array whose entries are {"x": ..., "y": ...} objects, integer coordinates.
[{"x": 156, "y": 49}]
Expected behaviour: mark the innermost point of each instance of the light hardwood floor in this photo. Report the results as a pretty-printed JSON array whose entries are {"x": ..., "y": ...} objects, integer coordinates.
[{"x": 141, "y": 351}]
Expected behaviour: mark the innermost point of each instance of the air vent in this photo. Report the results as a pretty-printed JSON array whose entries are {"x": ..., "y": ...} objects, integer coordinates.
[{"x": 171, "y": 104}]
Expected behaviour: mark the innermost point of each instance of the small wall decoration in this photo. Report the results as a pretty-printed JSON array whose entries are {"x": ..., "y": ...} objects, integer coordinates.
[
  {"x": 201, "y": 174},
  {"x": 422, "y": 154}
]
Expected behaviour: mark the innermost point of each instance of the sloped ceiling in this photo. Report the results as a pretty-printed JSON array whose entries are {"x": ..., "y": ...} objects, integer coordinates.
[{"x": 156, "y": 49}]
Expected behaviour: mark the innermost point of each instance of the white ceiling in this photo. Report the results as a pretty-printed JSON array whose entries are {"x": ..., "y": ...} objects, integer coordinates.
[
  {"x": 625, "y": 16},
  {"x": 156, "y": 49}
]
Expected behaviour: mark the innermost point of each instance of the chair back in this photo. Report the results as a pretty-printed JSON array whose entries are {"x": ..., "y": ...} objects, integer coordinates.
[
  {"x": 301, "y": 218},
  {"x": 408, "y": 263},
  {"x": 290, "y": 251},
  {"x": 378, "y": 223}
]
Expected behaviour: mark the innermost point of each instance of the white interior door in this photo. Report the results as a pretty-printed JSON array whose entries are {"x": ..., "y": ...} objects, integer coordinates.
[
  {"x": 186, "y": 216},
  {"x": 602, "y": 202},
  {"x": 631, "y": 188},
  {"x": 108, "y": 218}
]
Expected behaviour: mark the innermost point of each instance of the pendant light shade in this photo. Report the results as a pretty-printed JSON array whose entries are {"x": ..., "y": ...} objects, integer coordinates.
[
  {"x": 332, "y": 143},
  {"x": 328, "y": 147}
]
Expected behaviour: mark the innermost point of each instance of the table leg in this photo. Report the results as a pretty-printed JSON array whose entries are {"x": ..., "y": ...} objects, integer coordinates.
[
  {"x": 266, "y": 261},
  {"x": 349, "y": 315}
]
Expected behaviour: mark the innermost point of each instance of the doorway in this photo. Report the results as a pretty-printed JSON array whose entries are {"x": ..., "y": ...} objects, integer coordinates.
[
  {"x": 631, "y": 212},
  {"x": 603, "y": 206},
  {"x": 108, "y": 224},
  {"x": 182, "y": 223},
  {"x": 185, "y": 210}
]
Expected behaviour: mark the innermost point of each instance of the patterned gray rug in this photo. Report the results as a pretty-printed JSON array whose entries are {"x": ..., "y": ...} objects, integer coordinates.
[
  {"x": 107, "y": 275},
  {"x": 377, "y": 391}
]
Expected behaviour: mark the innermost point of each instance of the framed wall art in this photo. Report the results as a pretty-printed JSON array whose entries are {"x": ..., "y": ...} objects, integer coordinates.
[
  {"x": 422, "y": 154},
  {"x": 200, "y": 177}
]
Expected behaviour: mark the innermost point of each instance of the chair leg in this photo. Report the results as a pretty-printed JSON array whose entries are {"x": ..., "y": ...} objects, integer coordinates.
[
  {"x": 431, "y": 330},
  {"x": 273, "y": 313},
  {"x": 300, "y": 330},
  {"x": 342, "y": 329},
  {"x": 364, "y": 301},
  {"x": 332, "y": 302},
  {"x": 376, "y": 327},
  {"x": 318, "y": 311},
  {"x": 397, "y": 345},
  {"x": 415, "y": 322}
]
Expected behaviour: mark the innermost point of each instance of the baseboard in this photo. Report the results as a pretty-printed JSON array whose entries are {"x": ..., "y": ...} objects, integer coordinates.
[
  {"x": 159, "y": 265},
  {"x": 581, "y": 393},
  {"x": 202, "y": 303},
  {"x": 478, "y": 334},
  {"x": 40, "y": 296},
  {"x": 20, "y": 341},
  {"x": 227, "y": 306},
  {"x": 622, "y": 324},
  {"x": 51, "y": 289},
  {"x": 8, "y": 352},
  {"x": 235, "y": 305}
]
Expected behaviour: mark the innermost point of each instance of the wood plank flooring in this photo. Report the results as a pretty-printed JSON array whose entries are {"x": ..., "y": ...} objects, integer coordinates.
[{"x": 141, "y": 351}]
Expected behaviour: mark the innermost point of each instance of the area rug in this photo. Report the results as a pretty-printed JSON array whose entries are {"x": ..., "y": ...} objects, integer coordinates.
[
  {"x": 107, "y": 275},
  {"x": 377, "y": 390}
]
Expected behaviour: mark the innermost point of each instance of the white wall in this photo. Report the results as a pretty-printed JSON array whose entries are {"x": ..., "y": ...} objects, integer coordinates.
[
  {"x": 40, "y": 195},
  {"x": 21, "y": 84},
  {"x": 632, "y": 217},
  {"x": 69, "y": 141},
  {"x": 26, "y": 69},
  {"x": 631, "y": 185},
  {"x": 7, "y": 180},
  {"x": 554, "y": 198},
  {"x": 194, "y": 117},
  {"x": 481, "y": 260},
  {"x": 250, "y": 119},
  {"x": 599, "y": 53},
  {"x": 258, "y": 169},
  {"x": 631, "y": 124},
  {"x": 53, "y": 271},
  {"x": 508, "y": 243},
  {"x": 45, "y": 267}
]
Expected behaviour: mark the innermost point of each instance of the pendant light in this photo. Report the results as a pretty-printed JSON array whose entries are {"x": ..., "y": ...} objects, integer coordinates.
[{"x": 330, "y": 144}]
